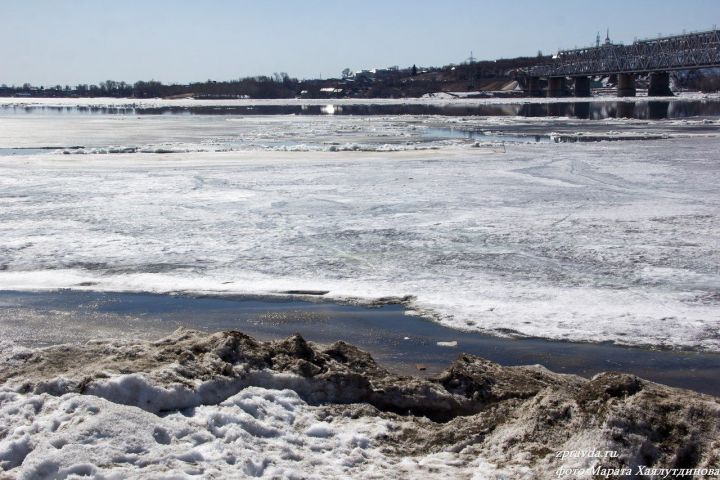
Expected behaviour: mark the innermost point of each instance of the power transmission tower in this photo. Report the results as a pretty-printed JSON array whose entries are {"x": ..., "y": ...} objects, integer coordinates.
[{"x": 473, "y": 69}]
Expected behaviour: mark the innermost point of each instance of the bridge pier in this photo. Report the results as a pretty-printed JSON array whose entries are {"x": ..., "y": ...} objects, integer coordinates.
[
  {"x": 556, "y": 87},
  {"x": 532, "y": 87},
  {"x": 626, "y": 85},
  {"x": 582, "y": 86},
  {"x": 659, "y": 85}
]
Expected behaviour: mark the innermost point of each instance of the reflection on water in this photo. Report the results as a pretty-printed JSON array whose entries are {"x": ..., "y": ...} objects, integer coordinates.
[
  {"x": 396, "y": 340},
  {"x": 638, "y": 110},
  {"x": 584, "y": 110},
  {"x": 658, "y": 110},
  {"x": 484, "y": 136}
]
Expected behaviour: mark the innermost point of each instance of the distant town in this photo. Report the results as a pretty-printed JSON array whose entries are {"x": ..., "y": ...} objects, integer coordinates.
[
  {"x": 468, "y": 79},
  {"x": 390, "y": 82}
]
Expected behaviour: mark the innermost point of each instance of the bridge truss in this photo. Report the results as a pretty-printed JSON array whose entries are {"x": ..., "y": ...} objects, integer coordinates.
[{"x": 679, "y": 52}]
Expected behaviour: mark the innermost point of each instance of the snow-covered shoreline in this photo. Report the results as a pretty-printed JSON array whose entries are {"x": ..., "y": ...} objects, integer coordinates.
[{"x": 185, "y": 103}]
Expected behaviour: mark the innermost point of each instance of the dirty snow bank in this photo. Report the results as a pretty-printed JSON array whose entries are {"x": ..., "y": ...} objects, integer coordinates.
[{"x": 82, "y": 410}]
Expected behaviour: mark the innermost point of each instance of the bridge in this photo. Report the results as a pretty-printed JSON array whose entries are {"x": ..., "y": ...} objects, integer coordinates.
[{"x": 654, "y": 57}]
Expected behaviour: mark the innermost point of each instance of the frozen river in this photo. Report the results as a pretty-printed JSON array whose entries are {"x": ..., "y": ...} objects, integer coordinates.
[{"x": 506, "y": 225}]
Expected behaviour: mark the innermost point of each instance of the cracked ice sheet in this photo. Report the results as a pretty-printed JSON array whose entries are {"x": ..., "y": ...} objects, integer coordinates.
[{"x": 588, "y": 242}]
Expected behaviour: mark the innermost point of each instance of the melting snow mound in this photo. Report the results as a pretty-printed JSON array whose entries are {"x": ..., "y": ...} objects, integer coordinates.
[{"x": 225, "y": 405}]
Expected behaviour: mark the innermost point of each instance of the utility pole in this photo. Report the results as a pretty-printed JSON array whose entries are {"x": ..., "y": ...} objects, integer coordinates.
[{"x": 473, "y": 70}]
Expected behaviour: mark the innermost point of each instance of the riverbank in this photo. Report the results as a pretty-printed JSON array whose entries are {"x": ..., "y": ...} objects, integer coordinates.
[{"x": 225, "y": 404}]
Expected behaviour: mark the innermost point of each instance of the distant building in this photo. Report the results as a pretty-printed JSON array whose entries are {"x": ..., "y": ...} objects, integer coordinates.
[
  {"x": 376, "y": 73},
  {"x": 365, "y": 75}
]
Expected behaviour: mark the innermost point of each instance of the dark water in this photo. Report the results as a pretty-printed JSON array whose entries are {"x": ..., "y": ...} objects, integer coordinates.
[
  {"x": 45, "y": 318},
  {"x": 583, "y": 110}
]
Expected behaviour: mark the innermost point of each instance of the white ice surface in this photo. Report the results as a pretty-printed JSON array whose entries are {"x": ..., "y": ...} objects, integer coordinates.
[
  {"x": 594, "y": 241},
  {"x": 82, "y": 134},
  {"x": 258, "y": 432}
]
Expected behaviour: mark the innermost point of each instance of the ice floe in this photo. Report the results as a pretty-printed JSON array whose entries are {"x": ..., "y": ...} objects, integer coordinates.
[{"x": 602, "y": 241}]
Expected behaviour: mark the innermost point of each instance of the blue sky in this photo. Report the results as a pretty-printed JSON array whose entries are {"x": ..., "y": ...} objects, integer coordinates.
[{"x": 72, "y": 41}]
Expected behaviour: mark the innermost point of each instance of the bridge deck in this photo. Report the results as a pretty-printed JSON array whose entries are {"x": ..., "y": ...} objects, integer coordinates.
[{"x": 679, "y": 52}]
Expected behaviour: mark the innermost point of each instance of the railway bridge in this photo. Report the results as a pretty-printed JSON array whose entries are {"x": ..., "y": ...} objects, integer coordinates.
[{"x": 654, "y": 57}]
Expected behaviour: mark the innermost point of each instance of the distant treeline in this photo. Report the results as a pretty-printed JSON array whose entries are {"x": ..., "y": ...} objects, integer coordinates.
[
  {"x": 279, "y": 86},
  {"x": 392, "y": 82}
]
